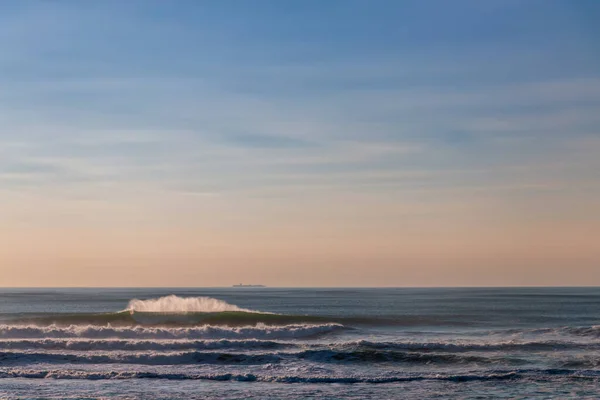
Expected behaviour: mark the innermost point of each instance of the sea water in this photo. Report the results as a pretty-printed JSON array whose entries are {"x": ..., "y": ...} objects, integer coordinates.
[{"x": 461, "y": 343}]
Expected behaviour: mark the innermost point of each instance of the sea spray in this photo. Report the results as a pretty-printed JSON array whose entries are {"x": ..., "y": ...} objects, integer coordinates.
[{"x": 176, "y": 304}]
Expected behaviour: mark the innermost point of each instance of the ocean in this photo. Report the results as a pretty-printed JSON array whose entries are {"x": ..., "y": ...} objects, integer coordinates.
[{"x": 256, "y": 343}]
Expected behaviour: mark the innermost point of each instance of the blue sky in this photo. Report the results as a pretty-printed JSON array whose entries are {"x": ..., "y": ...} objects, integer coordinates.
[{"x": 422, "y": 102}]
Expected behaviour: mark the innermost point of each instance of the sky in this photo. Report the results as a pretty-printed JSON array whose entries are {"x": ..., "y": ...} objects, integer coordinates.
[{"x": 299, "y": 143}]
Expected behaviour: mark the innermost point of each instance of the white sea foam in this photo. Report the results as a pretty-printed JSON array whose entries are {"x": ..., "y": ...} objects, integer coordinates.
[
  {"x": 77, "y": 344},
  {"x": 176, "y": 304},
  {"x": 258, "y": 331}
]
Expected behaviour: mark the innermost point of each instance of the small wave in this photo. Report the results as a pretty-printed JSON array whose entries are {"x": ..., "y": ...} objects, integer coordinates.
[
  {"x": 140, "y": 345},
  {"x": 550, "y": 345},
  {"x": 581, "y": 331},
  {"x": 259, "y": 331},
  {"x": 147, "y": 358},
  {"x": 392, "y": 356},
  {"x": 363, "y": 347},
  {"x": 134, "y": 318},
  {"x": 591, "y": 331},
  {"x": 219, "y": 357},
  {"x": 499, "y": 375},
  {"x": 106, "y": 344}
]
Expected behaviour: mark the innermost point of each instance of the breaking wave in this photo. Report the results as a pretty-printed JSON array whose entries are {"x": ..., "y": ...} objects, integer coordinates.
[
  {"x": 180, "y": 305},
  {"x": 129, "y": 318},
  {"x": 172, "y": 311},
  {"x": 141, "y": 345},
  {"x": 258, "y": 331},
  {"x": 193, "y": 311}
]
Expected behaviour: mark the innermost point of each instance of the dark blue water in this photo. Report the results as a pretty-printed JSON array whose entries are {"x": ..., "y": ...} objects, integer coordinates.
[{"x": 300, "y": 343}]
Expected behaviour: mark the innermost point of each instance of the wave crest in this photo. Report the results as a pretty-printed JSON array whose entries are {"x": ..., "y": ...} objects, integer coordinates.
[
  {"x": 178, "y": 305},
  {"x": 258, "y": 331},
  {"x": 83, "y": 344}
]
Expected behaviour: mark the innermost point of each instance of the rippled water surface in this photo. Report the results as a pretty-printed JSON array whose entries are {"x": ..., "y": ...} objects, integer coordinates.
[{"x": 300, "y": 343}]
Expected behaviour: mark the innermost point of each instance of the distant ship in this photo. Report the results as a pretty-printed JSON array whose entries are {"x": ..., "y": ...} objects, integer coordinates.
[{"x": 242, "y": 285}]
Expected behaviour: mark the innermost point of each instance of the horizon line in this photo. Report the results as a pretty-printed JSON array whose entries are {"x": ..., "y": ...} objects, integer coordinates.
[{"x": 302, "y": 287}]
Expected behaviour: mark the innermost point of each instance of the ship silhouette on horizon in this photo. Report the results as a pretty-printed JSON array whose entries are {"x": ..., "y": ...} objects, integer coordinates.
[{"x": 248, "y": 286}]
